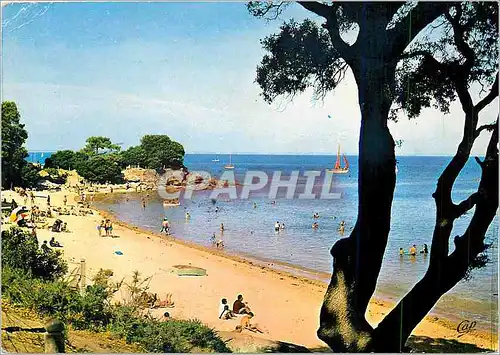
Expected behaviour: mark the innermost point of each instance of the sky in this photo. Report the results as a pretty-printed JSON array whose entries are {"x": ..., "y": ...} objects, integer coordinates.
[{"x": 123, "y": 70}]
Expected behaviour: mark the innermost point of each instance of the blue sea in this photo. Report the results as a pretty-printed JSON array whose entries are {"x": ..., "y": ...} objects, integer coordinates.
[
  {"x": 249, "y": 231},
  {"x": 38, "y": 157}
]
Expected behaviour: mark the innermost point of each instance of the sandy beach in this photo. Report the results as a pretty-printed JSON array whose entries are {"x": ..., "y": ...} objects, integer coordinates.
[{"x": 286, "y": 307}]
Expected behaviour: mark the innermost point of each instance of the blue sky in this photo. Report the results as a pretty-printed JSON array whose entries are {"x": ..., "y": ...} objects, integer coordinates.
[{"x": 184, "y": 69}]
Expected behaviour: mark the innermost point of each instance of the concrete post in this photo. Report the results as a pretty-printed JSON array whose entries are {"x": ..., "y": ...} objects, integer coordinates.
[
  {"x": 54, "y": 337},
  {"x": 83, "y": 279}
]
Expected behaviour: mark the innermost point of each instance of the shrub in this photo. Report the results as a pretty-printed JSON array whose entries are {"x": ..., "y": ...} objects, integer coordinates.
[
  {"x": 20, "y": 251},
  {"x": 30, "y": 176},
  {"x": 173, "y": 336}
]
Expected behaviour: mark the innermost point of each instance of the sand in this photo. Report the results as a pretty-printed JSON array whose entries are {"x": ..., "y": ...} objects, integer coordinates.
[{"x": 286, "y": 307}]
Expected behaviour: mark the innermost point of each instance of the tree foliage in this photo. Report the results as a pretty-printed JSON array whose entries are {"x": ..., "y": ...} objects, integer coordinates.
[
  {"x": 14, "y": 136},
  {"x": 299, "y": 56},
  {"x": 430, "y": 67},
  {"x": 159, "y": 151},
  {"x": 30, "y": 175},
  {"x": 20, "y": 251},
  {"x": 429, "y": 73},
  {"x": 102, "y": 169},
  {"x": 94, "y": 144},
  {"x": 64, "y": 159}
]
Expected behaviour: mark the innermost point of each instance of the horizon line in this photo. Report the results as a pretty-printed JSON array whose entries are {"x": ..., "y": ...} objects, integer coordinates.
[{"x": 279, "y": 153}]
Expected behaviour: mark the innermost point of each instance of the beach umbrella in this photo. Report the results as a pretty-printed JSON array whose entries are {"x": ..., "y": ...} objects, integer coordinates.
[{"x": 16, "y": 212}]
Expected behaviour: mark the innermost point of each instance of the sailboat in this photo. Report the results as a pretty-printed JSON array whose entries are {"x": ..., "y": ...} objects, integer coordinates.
[
  {"x": 337, "y": 168},
  {"x": 229, "y": 166}
]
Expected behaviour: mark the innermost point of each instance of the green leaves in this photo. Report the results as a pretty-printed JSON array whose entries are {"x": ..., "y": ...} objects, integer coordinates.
[
  {"x": 94, "y": 144},
  {"x": 13, "y": 137},
  {"x": 300, "y": 56}
]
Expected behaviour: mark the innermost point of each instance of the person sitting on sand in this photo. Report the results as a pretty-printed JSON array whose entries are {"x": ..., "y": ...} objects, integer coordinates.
[
  {"x": 425, "y": 250},
  {"x": 224, "y": 311},
  {"x": 166, "y": 303},
  {"x": 64, "y": 227},
  {"x": 54, "y": 243},
  {"x": 166, "y": 317},
  {"x": 239, "y": 307},
  {"x": 245, "y": 324},
  {"x": 413, "y": 250},
  {"x": 45, "y": 248}
]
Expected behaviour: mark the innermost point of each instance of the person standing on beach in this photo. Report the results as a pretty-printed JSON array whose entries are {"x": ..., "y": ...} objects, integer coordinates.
[
  {"x": 100, "y": 227},
  {"x": 48, "y": 200},
  {"x": 65, "y": 200},
  {"x": 143, "y": 200},
  {"x": 222, "y": 227},
  {"x": 165, "y": 226},
  {"x": 32, "y": 196}
]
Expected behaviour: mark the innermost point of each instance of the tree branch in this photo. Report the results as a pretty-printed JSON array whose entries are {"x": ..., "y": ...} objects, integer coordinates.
[
  {"x": 458, "y": 35},
  {"x": 436, "y": 282},
  {"x": 489, "y": 98},
  {"x": 465, "y": 205},
  {"x": 318, "y": 8},
  {"x": 419, "y": 17},
  {"x": 488, "y": 127},
  {"x": 332, "y": 25}
]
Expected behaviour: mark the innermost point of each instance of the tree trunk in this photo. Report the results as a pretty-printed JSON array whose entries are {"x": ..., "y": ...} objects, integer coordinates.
[
  {"x": 357, "y": 259},
  {"x": 445, "y": 271}
]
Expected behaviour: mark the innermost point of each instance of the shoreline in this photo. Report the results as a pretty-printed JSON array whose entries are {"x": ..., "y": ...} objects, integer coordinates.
[
  {"x": 260, "y": 282},
  {"x": 294, "y": 271}
]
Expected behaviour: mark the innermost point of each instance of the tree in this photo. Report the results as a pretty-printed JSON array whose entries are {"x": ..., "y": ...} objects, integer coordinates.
[
  {"x": 30, "y": 176},
  {"x": 306, "y": 55},
  {"x": 13, "y": 153},
  {"x": 442, "y": 75},
  {"x": 102, "y": 169},
  {"x": 62, "y": 159},
  {"x": 160, "y": 151},
  {"x": 133, "y": 156},
  {"x": 20, "y": 251},
  {"x": 95, "y": 143}
]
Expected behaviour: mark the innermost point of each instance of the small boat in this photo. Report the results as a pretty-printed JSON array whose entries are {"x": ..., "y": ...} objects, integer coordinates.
[
  {"x": 229, "y": 166},
  {"x": 337, "y": 168},
  {"x": 216, "y": 160}
]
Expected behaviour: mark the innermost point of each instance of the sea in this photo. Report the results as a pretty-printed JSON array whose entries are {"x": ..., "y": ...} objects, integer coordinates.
[{"x": 249, "y": 224}]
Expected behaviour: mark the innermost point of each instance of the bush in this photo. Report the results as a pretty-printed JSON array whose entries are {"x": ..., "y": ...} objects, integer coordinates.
[
  {"x": 173, "y": 336},
  {"x": 32, "y": 279},
  {"x": 30, "y": 176},
  {"x": 101, "y": 169},
  {"x": 20, "y": 251}
]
